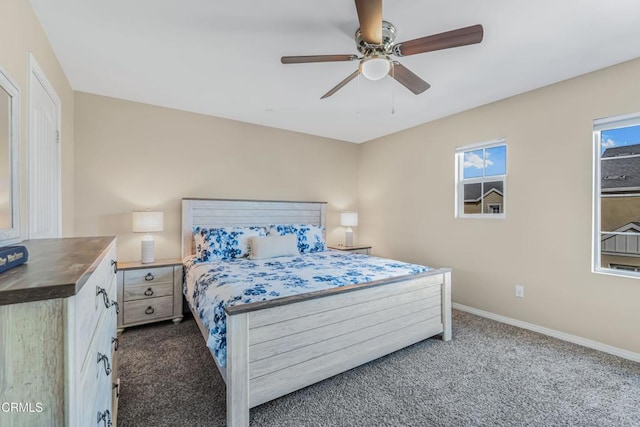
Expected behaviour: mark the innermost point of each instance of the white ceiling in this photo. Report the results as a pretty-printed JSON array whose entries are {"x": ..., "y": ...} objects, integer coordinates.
[{"x": 223, "y": 57}]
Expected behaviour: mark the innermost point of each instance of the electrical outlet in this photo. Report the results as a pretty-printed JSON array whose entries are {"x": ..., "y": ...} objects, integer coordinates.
[{"x": 520, "y": 291}]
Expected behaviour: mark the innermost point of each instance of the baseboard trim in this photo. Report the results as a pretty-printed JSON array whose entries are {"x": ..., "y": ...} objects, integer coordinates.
[{"x": 626, "y": 354}]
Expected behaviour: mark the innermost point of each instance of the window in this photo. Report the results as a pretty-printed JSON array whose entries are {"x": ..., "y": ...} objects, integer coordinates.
[
  {"x": 616, "y": 199},
  {"x": 481, "y": 173}
]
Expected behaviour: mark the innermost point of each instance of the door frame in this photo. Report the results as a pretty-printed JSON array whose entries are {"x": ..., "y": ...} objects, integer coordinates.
[{"x": 36, "y": 73}]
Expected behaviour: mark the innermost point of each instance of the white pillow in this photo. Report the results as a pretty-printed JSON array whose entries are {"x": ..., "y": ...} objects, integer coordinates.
[{"x": 273, "y": 246}]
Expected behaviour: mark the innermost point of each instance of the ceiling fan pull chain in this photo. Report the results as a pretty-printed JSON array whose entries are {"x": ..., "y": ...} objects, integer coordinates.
[
  {"x": 358, "y": 96},
  {"x": 393, "y": 97}
]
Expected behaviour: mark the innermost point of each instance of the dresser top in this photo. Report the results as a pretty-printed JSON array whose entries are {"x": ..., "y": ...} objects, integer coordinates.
[{"x": 57, "y": 268}]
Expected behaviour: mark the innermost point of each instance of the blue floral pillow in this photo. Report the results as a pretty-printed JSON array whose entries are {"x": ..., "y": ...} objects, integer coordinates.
[
  {"x": 310, "y": 237},
  {"x": 224, "y": 242}
]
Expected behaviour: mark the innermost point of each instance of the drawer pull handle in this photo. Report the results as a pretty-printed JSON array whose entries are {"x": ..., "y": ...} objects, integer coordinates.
[
  {"x": 148, "y": 292},
  {"x": 105, "y": 359},
  {"x": 114, "y": 263},
  {"x": 105, "y": 297},
  {"x": 115, "y": 343},
  {"x": 149, "y": 310},
  {"x": 117, "y": 387},
  {"x": 149, "y": 277},
  {"x": 105, "y": 417},
  {"x": 115, "y": 304}
]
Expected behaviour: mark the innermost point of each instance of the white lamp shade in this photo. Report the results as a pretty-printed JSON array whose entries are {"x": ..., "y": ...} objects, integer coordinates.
[
  {"x": 375, "y": 67},
  {"x": 349, "y": 219},
  {"x": 147, "y": 222}
]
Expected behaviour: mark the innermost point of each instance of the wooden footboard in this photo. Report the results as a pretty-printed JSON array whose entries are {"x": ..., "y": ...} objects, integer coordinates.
[{"x": 274, "y": 350}]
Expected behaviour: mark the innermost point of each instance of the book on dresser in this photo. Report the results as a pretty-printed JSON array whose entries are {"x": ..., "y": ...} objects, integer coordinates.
[{"x": 12, "y": 256}]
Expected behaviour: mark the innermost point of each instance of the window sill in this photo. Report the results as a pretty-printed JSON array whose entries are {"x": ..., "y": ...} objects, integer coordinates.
[
  {"x": 618, "y": 273},
  {"x": 482, "y": 216}
]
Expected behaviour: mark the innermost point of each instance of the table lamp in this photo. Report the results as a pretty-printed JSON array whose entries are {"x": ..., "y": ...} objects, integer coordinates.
[
  {"x": 349, "y": 219},
  {"x": 147, "y": 222}
]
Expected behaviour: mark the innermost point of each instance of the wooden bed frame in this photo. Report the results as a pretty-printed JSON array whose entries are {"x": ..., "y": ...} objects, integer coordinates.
[{"x": 279, "y": 346}]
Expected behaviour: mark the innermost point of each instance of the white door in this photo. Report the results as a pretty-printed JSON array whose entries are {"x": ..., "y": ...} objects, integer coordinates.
[{"x": 44, "y": 157}]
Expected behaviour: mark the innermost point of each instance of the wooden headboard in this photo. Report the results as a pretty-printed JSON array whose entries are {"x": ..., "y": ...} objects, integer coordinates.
[{"x": 212, "y": 213}]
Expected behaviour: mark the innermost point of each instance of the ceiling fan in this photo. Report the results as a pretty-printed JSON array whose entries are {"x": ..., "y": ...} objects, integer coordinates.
[{"x": 375, "y": 40}]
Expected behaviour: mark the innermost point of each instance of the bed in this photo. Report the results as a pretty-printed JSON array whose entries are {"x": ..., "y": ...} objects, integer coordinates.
[{"x": 276, "y": 346}]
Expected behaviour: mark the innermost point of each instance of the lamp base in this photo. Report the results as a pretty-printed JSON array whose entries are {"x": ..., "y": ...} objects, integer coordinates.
[
  {"x": 348, "y": 237},
  {"x": 147, "y": 248}
]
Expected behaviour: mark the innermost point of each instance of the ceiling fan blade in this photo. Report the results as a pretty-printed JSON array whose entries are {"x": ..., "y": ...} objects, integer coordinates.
[
  {"x": 317, "y": 58},
  {"x": 460, "y": 37},
  {"x": 408, "y": 79},
  {"x": 370, "y": 17},
  {"x": 341, "y": 84}
]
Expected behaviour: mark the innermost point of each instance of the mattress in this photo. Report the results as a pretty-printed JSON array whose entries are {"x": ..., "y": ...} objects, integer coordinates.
[{"x": 210, "y": 287}]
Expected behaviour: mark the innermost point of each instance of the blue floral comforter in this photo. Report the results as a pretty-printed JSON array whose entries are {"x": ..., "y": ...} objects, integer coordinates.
[{"x": 210, "y": 287}]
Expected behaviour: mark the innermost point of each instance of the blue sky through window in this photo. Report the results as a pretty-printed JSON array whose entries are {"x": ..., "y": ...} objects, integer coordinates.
[
  {"x": 495, "y": 162},
  {"x": 620, "y": 137}
]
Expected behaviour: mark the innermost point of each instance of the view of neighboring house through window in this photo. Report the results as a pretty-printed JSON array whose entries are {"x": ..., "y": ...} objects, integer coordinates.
[
  {"x": 617, "y": 195},
  {"x": 481, "y": 172}
]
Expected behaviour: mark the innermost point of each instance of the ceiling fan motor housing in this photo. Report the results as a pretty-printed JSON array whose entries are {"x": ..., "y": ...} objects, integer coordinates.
[{"x": 385, "y": 48}]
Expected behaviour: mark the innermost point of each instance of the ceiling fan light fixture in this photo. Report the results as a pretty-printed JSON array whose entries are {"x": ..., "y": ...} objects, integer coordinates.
[{"x": 375, "y": 67}]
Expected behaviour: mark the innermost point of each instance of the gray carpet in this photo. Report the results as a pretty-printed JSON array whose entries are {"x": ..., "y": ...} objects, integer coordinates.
[{"x": 490, "y": 374}]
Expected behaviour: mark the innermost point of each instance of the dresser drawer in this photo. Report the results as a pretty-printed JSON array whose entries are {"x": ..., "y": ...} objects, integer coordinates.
[
  {"x": 90, "y": 317},
  {"x": 148, "y": 309},
  {"x": 147, "y": 290},
  {"x": 102, "y": 414},
  {"x": 89, "y": 305},
  {"x": 148, "y": 276},
  {"x": 97, "y": 368}
]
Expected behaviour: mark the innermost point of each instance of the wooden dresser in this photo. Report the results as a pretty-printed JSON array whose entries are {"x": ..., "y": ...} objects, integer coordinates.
[{"x": 58, "y": 359}]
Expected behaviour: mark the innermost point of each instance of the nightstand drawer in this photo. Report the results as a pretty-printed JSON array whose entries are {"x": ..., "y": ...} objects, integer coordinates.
[
  {"x": 148, "y": 309},
  {"x": 150, "y": 275},
  {"x": 147, "y": 290}
]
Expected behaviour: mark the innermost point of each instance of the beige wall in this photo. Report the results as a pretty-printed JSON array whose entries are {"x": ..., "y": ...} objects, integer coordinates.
[
  {"x": 132, "y": 156},
  {"x": 21, "y": 33},
  {"x": 406, "y": 200}
]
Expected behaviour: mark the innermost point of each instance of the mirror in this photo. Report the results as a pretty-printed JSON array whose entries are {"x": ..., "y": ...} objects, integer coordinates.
[{"x": 9, "y": 160}]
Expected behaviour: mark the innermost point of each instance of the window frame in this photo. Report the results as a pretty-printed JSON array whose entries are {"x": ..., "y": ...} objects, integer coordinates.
[
  {"x": 600, "y": 125},
  {"x": 460, "y": 181}
]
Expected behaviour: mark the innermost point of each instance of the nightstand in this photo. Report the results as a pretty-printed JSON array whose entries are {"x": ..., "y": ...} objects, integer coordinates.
[
  {"x": 357, "y": 249},
  {"x": 149, "y": 292}
]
